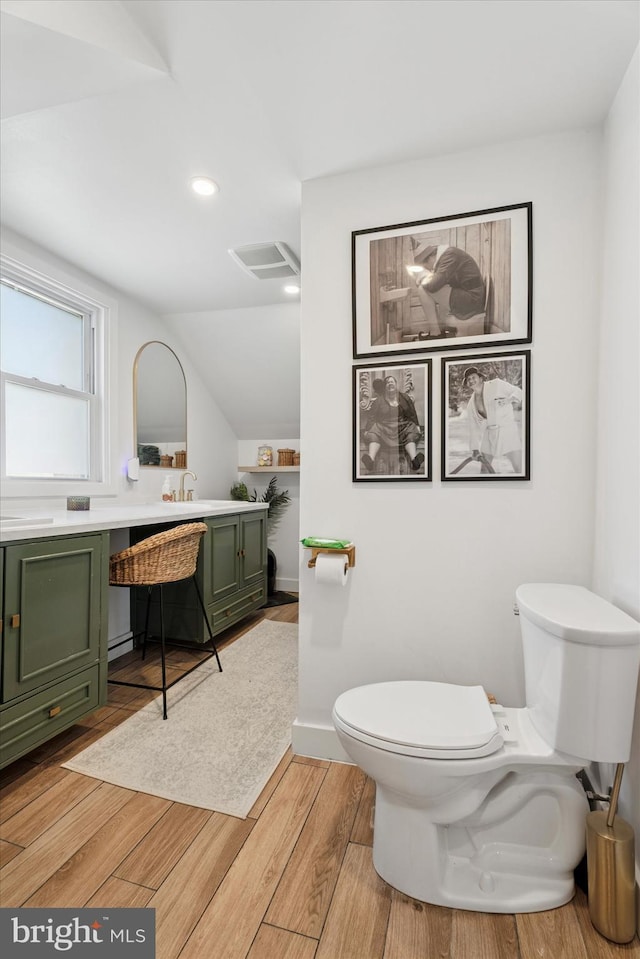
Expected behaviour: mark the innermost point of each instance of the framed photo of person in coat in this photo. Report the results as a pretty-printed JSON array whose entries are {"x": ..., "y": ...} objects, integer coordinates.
[
  {"x": 392, "y": 422},
  {"x": 485, "y": 417},
  {"x": 455, "y": 282}
]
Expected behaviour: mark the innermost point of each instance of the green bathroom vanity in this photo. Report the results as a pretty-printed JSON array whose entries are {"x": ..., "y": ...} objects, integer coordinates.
[
  {"x": 54, "y": 648},
  {"x": 54, "y": 585},
  {"x": 231, "y": 574}
]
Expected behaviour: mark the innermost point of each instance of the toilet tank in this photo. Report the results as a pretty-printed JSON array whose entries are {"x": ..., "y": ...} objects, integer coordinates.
[{"x": 581, "y": 662}]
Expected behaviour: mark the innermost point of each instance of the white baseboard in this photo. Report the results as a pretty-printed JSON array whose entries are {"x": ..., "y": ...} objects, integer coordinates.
[
  {"x": 288, "y": 585},
  {"x": 121, "y": 650},
  {"x": 318, "y": 742}
]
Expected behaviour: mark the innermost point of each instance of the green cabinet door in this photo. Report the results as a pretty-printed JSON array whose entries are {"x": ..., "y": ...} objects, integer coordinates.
[
  {"x": 222, "y": 560},
  {"x": 53, "y": 610},
  {"x": 253, "y": 549},
  {"x": 1, "y": 615}
]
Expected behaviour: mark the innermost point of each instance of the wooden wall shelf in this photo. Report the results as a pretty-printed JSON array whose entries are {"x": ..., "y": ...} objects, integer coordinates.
[
  {"x": 268, "y": 469},
  {"x": 348, "y": 551}
]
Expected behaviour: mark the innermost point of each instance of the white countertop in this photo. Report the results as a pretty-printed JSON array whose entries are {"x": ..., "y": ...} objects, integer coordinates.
[{"x": 41, "y": 523}]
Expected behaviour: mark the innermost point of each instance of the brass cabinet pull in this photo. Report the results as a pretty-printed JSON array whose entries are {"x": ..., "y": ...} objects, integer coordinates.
[
  {"x": 227, "y": 612},
  {"x": 54, "y": 711},
  {"x": 15, "y": 621}
]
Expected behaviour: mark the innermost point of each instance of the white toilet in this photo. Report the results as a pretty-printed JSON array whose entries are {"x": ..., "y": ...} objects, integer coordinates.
[{"x": 478, "y": 806}]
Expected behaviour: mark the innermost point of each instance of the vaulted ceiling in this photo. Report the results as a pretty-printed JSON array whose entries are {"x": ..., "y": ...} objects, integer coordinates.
[{"x": 109, "y": 108}]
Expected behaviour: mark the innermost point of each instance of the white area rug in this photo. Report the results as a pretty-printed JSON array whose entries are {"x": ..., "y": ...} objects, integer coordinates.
[{"x": 225, "y": 734}]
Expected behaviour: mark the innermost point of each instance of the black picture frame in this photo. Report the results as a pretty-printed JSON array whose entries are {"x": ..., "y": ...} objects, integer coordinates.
[
  {"x": 489, "y": 438},
  {"x": 487, "y": 257},
  {"x": 378, "y": 417}
]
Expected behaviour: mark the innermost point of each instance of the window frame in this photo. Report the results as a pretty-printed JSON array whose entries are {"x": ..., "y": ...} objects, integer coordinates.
[{"x": 99, "y": 317}]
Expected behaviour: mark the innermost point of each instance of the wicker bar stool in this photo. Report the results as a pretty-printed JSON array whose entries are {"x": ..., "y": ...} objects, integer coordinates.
[{"x": 163, "y": 558}]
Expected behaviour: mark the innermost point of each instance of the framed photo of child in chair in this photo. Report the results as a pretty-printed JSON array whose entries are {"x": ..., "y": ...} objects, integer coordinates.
[
  {"x": 392, "y": 422},
  {"x": 455, "y": 282}
]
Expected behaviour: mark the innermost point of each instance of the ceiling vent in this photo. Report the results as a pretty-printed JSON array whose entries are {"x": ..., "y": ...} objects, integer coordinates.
[{"x": 267, "y": 261}]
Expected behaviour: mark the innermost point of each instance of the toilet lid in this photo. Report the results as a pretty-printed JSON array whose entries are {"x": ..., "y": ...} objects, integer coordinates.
[
  {"x": 437, "y": 720},
  {"x": 577, "y": 615}
]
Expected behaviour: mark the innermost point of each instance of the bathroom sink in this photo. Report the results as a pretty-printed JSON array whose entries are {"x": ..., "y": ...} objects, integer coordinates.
[{"x": 9, "y": 521}]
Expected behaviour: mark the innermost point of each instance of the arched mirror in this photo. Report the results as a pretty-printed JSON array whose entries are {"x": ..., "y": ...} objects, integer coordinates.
[{"x": 159, "y": 407}]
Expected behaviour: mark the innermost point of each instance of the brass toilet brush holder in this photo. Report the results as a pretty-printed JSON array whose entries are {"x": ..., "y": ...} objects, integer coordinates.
[{"x": 610, "y": 870}]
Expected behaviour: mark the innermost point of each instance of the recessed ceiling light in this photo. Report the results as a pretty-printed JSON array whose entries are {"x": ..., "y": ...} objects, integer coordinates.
[
  {"x": 292, "y": 288},
  {"x": 204, "y": 185}
]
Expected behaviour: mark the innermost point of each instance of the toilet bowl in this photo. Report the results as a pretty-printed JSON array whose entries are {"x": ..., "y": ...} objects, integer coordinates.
[
  {"x": 478, "y": 805},
  {"x": 452, "y": 827}
]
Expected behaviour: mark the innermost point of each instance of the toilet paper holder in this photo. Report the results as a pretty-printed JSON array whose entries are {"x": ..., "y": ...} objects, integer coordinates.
[{"x": 349, "y": 551}]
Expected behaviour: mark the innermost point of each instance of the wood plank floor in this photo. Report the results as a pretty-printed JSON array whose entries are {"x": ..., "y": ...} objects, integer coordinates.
[{"x": 294, "y": 880}]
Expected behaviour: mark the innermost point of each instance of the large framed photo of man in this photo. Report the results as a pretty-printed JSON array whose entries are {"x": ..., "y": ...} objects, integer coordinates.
[
  {"x": 459, "y": 281},
  {"x": 392, "y": 422},
  {"x": 485, "y": 417}
]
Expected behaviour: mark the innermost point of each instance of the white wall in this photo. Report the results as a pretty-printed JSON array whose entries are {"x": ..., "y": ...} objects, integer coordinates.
[
  {"x": 250, "y": 360},
  {"x": 432, "y": 593},
  {"x": 284, "y": 539},
  {"x": 616, "y": 574},
  {"x": 211, "y": 441},
  {"x": 212, "y": 445}
]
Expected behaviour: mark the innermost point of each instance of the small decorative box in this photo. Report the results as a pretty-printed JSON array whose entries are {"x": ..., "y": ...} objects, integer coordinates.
[
  {"x": 285, "y": 457},
  {"x": 78, "y": 502}
]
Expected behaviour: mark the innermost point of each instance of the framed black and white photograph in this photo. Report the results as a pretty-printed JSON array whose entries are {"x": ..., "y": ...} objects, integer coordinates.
[
  {"x": 392, "y": 422},
  {"x": 459, "y": 281},
  {"x": 485, "y": 417}
]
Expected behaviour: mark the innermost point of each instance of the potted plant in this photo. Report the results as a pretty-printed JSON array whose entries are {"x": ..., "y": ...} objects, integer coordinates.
[{"x": 278, "y": 501}]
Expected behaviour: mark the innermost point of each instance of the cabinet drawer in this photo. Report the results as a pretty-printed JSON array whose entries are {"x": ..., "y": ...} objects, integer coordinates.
[
  {"x": 36, "y": 719},
  {"x": 227, "y": 613}
]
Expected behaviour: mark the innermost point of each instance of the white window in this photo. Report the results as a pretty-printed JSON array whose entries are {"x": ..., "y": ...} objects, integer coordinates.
[{"x": 53, "y": 361}]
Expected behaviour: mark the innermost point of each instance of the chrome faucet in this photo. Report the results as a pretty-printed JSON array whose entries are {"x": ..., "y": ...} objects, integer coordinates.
[{"x": 181, "y": 489}]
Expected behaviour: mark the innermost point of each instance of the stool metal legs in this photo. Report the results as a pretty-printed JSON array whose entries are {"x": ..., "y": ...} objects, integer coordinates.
[
  {"x": 206, "y": 619},
  {"x": 162, "y": 656},
  {"x": 163, "y": 644},
  {"x": 146, "y": 620}
]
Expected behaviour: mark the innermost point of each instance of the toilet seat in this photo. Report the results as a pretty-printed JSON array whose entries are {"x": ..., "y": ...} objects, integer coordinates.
[{"x": 420, "y": 718}]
